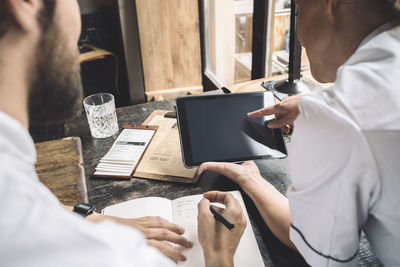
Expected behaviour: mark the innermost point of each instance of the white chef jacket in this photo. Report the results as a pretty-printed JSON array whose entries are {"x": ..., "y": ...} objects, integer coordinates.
[
  {"x": 345, "y": 159},
  {"x": 36, "y": 230}
]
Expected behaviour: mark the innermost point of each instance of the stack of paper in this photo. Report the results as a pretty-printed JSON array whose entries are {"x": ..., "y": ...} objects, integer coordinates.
[{"x": 125, "y": 153}]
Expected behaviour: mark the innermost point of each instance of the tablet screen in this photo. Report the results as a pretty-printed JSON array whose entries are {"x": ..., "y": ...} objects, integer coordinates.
[{"x": 217, "y": 128}]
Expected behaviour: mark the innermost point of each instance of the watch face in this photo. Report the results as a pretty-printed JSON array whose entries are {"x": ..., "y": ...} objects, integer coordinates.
[{"x": 84, "y": 208}]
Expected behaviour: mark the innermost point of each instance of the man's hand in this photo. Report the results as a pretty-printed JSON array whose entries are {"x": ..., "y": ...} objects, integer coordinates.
[
  {"x": 242, "y": 174},
  {"x": 157, "y": 231},
  {"x": 285, "y": 113},
  {"x": 272, "y": 205},
  {"x": 219, "y": 244}
]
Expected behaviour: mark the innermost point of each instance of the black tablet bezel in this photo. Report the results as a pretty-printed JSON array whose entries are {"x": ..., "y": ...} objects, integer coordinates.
[{"x": 184, "y": 133}]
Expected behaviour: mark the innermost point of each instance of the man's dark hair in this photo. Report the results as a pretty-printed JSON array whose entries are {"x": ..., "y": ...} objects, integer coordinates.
[
  {"x": 45, "y": 16},
  {"x": 3, "y": 18},
  {"x": 391, "y": 4}
]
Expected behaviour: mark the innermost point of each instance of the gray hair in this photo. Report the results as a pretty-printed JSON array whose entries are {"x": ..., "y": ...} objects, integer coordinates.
[{"x": 395, "y": 4}]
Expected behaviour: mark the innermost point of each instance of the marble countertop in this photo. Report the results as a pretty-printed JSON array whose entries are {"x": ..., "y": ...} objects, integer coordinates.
[{"x": 105, "y": 192}]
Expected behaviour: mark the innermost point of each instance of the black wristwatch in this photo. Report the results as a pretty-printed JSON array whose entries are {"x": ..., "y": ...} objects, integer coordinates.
[{"x": 84, "y": 209}]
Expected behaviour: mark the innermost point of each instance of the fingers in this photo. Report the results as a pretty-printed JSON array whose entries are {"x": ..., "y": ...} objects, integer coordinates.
[
  {"x": 216, "y": 240},
  {"x": 280, "y": 118},
  {"x": 157, "y": 228},
  {"x": 205, "y": 223},
  {"x": 264, "y": 111},
  {"x": 288, "y": 129},
  {"x": 204, "y": 208},
  {"x": 238, "y": 173},
  {"x": 168, "y": 250},
  {"x": 167, "y": 235},
  {"x": 285, "y": 112},
  {"x": 285, "y": 129},
  {"x": 219, "y": 209},
  {"x": 249, "y": 164},
  {"x": 159, "y": 222},
  {"x": 222, "y": 197},
  {"x": 233, "y": 209},
  {"x": 279, "y": 123},
  {"x": 229, "y": 170}
]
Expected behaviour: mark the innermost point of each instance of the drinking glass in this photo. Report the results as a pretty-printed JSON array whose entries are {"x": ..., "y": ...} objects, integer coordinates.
[{"x": 101, "y": 115}]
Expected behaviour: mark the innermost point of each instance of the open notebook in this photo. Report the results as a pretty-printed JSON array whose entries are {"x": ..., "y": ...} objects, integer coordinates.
[{"x": 183, "y": 211}]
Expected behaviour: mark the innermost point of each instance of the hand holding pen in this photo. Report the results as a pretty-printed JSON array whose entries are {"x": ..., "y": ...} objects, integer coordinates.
[
  {"x": 219, "y": 217},
  {"x": 220, "y": 230}
]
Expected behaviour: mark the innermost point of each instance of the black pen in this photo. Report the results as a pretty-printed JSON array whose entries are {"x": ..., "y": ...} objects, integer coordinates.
[{"x": 219, "y": 217}]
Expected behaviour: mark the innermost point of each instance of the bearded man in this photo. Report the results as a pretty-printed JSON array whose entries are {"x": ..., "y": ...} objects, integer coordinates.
[{"x": 40, "y": 83}]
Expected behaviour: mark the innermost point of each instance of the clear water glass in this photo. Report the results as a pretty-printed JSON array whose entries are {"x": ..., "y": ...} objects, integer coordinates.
[{"x": 101, "y": 115}]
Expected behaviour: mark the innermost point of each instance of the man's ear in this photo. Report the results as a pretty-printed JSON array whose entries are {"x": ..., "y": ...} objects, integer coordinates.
[
  {"x": 23, "y": 13},
  {"x": 331, "y": 6}
]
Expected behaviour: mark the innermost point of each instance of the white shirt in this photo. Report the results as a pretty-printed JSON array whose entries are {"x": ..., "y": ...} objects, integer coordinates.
[
  {"x": 35, "y": 229},
  {"x": 345, "y": 159}
]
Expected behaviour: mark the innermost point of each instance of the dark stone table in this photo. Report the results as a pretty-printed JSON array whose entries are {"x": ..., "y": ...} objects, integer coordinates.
[{"x": 105, "y": 192}]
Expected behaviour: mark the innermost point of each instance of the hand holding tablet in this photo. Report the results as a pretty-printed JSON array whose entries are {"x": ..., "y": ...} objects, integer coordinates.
[{"x": 217, "y": 128}]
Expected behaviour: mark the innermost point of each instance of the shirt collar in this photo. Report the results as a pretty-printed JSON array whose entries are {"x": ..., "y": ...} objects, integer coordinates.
[{"x": 18, "y": 139}]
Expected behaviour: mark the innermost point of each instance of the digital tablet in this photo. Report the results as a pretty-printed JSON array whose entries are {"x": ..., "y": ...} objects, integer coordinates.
[{"x": 217, "y": 128}]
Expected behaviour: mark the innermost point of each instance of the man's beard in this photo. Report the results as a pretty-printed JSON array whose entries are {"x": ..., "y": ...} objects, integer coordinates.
[{"x": 56, "y": 91}]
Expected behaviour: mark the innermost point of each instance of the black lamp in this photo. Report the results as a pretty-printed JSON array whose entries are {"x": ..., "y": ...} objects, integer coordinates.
[{"x": 293, "y": 85}]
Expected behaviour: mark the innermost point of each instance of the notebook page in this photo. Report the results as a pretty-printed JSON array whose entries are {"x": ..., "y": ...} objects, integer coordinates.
[
  {"x": 185, "y": 214},
  {"x": 141, "y": 207}
]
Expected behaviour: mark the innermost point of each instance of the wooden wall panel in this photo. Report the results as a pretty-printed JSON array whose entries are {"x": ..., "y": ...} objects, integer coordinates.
[{"x": 170, "y": 44}]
